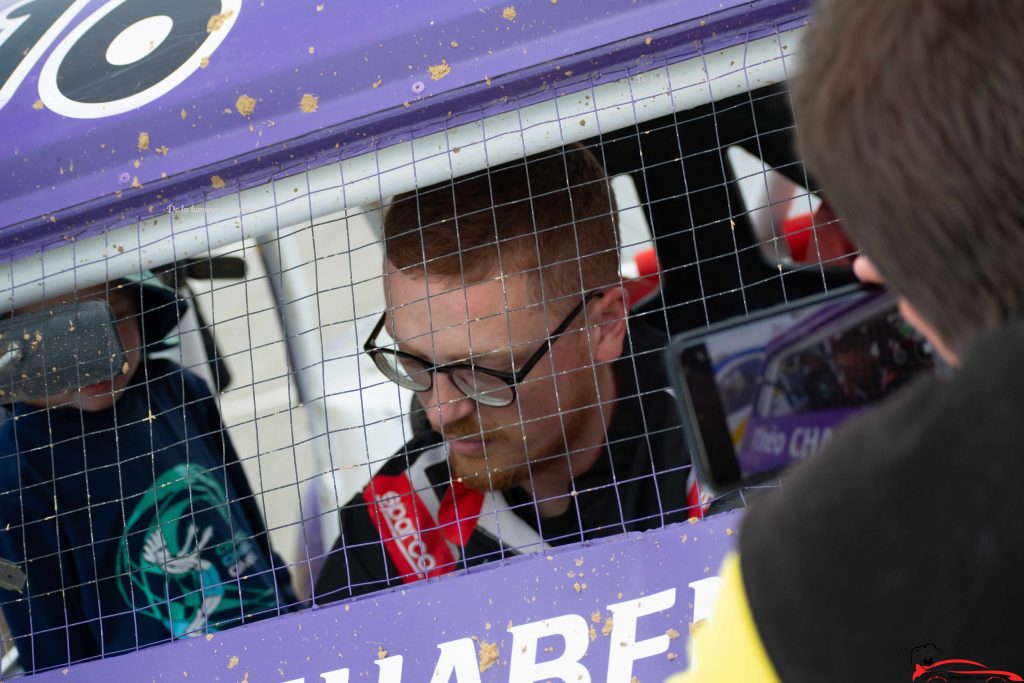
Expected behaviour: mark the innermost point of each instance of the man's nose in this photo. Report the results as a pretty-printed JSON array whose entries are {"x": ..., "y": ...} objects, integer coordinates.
[{"x": 448, "y": 404}]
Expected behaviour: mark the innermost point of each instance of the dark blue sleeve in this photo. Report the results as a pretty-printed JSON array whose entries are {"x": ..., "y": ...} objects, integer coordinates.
[
  {"x": 48, "y": 628},
  {"x": 204, "y": 407}
]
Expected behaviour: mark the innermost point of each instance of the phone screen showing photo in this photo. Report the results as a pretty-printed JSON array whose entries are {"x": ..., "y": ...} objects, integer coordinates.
[{"x": 766, "y": 392}]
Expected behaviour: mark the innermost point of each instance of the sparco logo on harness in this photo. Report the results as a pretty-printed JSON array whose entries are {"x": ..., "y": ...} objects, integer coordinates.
[
  {"x": 404, "y": 532},
  {"x": 412, "y": 537}
]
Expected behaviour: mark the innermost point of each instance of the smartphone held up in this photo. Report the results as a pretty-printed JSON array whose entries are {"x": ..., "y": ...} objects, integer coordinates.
[{"x": 761, "y": 392}]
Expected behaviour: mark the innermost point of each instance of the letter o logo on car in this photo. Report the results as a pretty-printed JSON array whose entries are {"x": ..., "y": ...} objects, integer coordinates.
[{"x": 79, "y": 81}]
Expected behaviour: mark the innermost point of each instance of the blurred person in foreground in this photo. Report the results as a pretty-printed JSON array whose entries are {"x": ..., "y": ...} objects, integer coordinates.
[
  {"x": 126, "y": 505},
  {"x": 904, "y": 535},
  {"x": 550, "y": 416}
]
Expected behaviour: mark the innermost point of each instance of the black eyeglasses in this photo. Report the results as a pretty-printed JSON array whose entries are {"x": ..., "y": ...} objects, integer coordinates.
[{"x": 494, "y": 388}]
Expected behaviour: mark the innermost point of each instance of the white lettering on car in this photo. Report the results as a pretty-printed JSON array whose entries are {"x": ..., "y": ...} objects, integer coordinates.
[
  {"x": 807, "y": 441},
  {"x": 457, "y": 660},
  {"x": 769, "y": 440}
]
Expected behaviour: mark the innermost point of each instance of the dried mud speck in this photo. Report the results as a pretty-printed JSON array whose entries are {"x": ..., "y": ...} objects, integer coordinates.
[
  {"x": 245, "y": 105},
  {"x": 439, "y": 71},
  {"x": 217, "y": 21},
  {"x": 488, "y": 655}
]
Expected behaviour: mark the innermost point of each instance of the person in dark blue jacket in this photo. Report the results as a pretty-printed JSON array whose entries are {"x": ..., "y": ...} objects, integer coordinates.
[{"x": 126, "y": 506}]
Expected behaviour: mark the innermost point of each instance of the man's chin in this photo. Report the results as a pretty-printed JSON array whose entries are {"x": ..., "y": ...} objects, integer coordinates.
[
  {"x": 485, "y": 474},
  {"x": 490, "y": 474}
]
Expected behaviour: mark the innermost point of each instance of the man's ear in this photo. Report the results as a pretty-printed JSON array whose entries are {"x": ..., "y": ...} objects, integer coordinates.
[{"x": 607, "y": 319}]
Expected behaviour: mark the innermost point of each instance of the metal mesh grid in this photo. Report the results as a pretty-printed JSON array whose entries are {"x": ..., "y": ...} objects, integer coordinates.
[{"x": 211, "y": 497}]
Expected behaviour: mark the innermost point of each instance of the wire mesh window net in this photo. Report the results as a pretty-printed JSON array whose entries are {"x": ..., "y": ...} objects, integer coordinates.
[{"x": 434, "y": 358}]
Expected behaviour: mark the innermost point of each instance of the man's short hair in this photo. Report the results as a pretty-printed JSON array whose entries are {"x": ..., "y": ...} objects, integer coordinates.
[
  {"x": 911, "y": 115},
  {"x": 551, "y": 214}
]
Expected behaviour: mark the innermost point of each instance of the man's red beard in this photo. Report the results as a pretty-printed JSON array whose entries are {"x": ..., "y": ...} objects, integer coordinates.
[
  {"x": 509, "y": 459},
  {"x": 503, "y": 463}
]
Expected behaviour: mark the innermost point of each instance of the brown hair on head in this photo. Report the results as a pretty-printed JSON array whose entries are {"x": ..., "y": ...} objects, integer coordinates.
[
  {"x": 911, "y": 115},
  {"x": 551, "y": 214}
]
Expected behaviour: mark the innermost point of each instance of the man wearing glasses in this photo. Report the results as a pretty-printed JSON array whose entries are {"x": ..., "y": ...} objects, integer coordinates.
[{"x": 550, "y": 417}]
